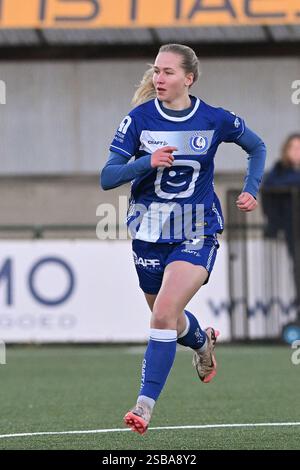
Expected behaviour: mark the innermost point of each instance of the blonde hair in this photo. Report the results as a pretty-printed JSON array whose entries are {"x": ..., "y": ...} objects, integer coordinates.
[{"x": 190, "y": 64}]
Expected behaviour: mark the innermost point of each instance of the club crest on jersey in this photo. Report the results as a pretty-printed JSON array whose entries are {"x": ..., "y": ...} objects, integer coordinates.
[{"x": 199, "y": 143}]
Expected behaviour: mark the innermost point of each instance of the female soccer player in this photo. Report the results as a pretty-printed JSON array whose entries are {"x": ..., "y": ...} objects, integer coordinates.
[{"x": 174, "y": 215}]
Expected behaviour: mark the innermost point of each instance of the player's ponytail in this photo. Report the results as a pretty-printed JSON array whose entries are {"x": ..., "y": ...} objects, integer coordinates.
[
  {"x": 190, "y": 64},
  {"x": 146, "y": 90}
]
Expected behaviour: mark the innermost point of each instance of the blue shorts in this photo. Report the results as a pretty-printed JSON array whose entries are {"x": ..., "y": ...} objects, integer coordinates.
[{"x": 151, "y": 259}]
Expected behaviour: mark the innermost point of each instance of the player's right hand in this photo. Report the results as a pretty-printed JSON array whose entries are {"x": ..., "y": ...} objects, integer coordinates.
[{"x": 163, "y": 157}]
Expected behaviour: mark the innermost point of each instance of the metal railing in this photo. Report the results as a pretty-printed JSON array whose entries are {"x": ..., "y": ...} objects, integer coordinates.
[
  {"x": 264, "y": 264},
  {"x": 38, "y": 231}
]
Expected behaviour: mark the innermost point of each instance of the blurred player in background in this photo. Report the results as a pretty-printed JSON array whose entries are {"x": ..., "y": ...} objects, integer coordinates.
[
  {"x": 279, "y": 204},
  {"x": 174, "y": 136}
]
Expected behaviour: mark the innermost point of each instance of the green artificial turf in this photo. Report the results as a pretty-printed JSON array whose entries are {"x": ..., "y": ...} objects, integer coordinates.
[{"x": 89, "y": 388}]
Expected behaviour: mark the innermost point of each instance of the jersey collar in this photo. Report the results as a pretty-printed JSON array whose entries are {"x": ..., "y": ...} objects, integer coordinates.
[{"x": 177, "y": 119}]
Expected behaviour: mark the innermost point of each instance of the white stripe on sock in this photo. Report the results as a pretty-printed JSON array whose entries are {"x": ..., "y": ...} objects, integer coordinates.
[
  {"x": 187, "y": 328},
  {"x": 165, "y": 336}
]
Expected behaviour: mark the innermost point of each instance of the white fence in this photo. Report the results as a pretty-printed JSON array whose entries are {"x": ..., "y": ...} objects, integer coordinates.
[{"x": 86, "y": 291}]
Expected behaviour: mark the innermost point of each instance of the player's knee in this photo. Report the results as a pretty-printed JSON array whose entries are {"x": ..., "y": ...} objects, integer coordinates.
[
  {"x": 164, "y": 315},
  {"x": 163, "y": 323}
]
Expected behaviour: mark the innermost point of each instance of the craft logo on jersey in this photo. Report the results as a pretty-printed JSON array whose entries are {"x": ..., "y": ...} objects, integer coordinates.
[
  {"x": 158, "y": 142},
  {"x": 199, "y": 143}
]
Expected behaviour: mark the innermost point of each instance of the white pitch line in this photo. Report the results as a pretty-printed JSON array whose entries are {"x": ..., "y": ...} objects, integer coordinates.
[{"x": 99, "y": 431}]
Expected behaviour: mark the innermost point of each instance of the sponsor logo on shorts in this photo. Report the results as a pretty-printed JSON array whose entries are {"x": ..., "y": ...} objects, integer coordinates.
[
  {"x": 192, "y": 252},
  {"x": 195, "y": 242},
  {"x": 146, "y": 263}
]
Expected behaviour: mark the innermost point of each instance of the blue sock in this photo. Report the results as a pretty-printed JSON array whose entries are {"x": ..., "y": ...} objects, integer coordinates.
[
  {"x": 193, "y": 336},
  {"x": 157, "y": 363}
]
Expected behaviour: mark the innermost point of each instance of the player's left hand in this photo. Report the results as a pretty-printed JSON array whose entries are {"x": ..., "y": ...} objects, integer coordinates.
[{"x": 246, "y": 202}]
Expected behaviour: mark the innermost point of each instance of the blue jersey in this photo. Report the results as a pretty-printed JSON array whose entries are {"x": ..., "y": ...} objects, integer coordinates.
[{"x": 177, "y": 203}]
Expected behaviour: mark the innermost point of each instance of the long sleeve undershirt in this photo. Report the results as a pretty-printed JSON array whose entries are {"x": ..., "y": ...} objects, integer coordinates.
[{"x": 118, "y": 171}]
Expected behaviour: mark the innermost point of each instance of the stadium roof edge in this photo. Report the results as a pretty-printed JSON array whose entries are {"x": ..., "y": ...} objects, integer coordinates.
[
  {"x": 117, "y": 52},
  {"x": 148, "y": 36}
]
